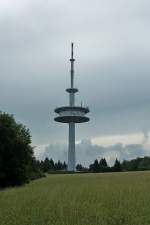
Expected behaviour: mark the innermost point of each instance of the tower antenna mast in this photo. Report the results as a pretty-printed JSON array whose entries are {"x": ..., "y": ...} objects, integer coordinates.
[{"x": 72, "y": 66}]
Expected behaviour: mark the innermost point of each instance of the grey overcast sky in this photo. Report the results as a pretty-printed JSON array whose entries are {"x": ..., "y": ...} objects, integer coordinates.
[{"x": 112, "y": 69}]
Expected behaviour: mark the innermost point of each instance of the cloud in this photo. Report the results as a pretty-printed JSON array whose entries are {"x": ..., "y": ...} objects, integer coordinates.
[{"x": 86, "y": 152}]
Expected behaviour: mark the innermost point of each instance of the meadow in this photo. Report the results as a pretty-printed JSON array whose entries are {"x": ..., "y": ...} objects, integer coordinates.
[{"x": 79, "y": 199}]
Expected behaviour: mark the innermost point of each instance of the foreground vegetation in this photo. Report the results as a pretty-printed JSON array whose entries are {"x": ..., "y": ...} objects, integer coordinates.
[
  {"x": 77, "y": 199},
  {"x": 17, "y": 162}
]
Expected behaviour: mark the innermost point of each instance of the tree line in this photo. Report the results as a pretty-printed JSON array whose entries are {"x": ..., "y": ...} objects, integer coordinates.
[
  {"x": 98, "y": 166},
  {"x": 48, "y": 165}
]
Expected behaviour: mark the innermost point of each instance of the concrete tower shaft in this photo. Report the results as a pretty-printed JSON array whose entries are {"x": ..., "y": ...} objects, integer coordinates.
[{"x": 71, "y": 148}]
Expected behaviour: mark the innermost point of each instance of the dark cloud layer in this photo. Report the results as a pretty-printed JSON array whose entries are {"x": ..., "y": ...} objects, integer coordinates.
[{"x": 112, "y": 50}]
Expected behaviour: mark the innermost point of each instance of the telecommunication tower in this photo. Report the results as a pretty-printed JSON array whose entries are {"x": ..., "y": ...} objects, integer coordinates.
[{"x": 72, "y": 114}]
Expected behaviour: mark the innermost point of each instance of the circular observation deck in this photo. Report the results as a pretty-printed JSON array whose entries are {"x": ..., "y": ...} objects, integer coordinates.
[{"x": 74, "y": 114}]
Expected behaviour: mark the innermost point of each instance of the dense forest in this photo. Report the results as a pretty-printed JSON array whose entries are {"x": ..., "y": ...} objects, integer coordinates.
[{"x": 18, "y": 164}]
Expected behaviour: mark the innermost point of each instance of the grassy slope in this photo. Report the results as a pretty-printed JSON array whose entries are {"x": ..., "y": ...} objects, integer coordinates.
[{"x": 81, "y": 199}]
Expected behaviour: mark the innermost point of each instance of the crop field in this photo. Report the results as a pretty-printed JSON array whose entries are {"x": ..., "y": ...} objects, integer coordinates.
[{"x": 79, "y": 199}]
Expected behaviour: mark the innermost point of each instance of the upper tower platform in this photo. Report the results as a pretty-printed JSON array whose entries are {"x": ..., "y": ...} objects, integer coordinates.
[{"x": 72, "y": 90}]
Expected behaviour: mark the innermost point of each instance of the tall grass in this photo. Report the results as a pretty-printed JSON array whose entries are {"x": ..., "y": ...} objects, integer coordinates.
[{"x": 79, "y": 199}]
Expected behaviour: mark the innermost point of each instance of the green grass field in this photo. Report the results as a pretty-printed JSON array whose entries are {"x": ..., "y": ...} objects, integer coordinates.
[{"x": 79, "y": 199}]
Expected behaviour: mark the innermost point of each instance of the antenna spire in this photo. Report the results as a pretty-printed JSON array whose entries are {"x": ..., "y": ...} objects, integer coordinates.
[
  {"x": 71, "y": 50},
  {"x": 72, "y": 67}
]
